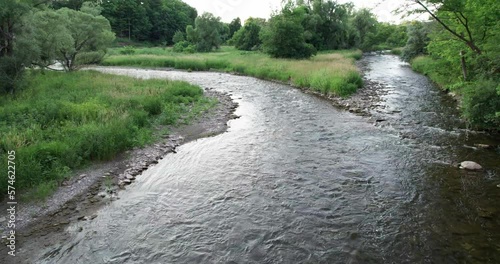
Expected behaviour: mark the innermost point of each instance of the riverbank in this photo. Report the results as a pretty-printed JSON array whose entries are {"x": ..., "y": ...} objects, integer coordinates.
[
  {"x": 479, "y": 97},
  {"x": 291, "y": 166},
  {"x": 62, "y": 122},
  {"x": 81, "y": 196},
  {"x": 329, "y": 73}
]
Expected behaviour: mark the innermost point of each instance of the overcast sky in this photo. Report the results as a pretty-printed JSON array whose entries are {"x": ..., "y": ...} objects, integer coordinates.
[{"x": 230, "y": 9}]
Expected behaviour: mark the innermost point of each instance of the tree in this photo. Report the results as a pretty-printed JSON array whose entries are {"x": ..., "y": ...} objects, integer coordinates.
[
  {"x": 234, "y": 26},
  {"x": 178, "y": 37},
  {"x": 16, "y": 45},
  {"x": 191, "y": 34},
  {"x": 365, "y": 24},
  {"x": 247, "y": 38},
  {"x": 72, "y": 37},
  {"x": 148, "y": 20},
  {"x": 284, "y": 36},
  {"x": 417, "y": 41},
  {"x": 326, "y": 24},
  {"x": 206, "y": 34},
  {"x": 128, "y": 18},
  {"x": 469, "y": 21}
]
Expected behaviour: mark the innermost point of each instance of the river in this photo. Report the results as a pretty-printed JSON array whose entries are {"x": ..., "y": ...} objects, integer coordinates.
[{"x": 297, "y": 180}]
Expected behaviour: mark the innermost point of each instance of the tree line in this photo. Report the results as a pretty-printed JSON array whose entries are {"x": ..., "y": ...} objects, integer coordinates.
[{"x": 298, "y": 30}]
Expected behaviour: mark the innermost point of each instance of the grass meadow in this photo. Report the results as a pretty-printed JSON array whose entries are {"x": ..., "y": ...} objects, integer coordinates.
[{"x": 332, "y": 73}]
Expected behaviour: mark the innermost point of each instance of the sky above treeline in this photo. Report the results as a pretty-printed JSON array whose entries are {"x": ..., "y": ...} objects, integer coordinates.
[{"x": 230, "y": 9}]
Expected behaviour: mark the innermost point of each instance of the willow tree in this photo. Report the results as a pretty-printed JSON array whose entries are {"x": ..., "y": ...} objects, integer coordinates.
[{"x": 72, "y": 37}]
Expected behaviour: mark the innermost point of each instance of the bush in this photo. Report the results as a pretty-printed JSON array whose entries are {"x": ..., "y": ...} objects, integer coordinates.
[
  {"x": 93, "y": 57},
  {"x": 184, "y": 46},
  {"x": 481, "y": 104},
  {"x": 417, "y": 41},
  {"x": 178, "y": 37},
  {"x": 247, "y": 37},
  {"x": 284, "y": 37},
  {"x": 127, "y": 50}
]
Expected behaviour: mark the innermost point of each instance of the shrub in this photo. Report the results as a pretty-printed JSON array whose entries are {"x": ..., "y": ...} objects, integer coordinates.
[
  {"x": 284, "y": 37},
  {"x": 178, "y": 37},
  {"x": 481, "y": 104},
  {"x": 127, "y": 50}
]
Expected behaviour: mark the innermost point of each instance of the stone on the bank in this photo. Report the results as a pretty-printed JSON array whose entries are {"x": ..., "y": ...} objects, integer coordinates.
[{"x": 470, "y": 165}]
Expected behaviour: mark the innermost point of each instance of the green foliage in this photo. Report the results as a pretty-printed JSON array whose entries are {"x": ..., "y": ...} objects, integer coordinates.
[
  {"x": 437, "y": 70},
  {"x": 470, "y": 28},
  {"x": 480, "y": 99},
  {"x": 284, "y": 36},
  {"x": 234, "y": 26},
  {"x": 148, "y": 20},
  {"x": 184, "y": 46},
  {"x": 16, "y": 45},
  {"x": 72, "y": 37},
  {"x": 66, "y": 120},
  {"x": 326, "y": 24},
  {"x": 247, "y": 38},
  {"x": 207, "y": 33},
  {"x": 328, "y": 72},
  {"x": 481, "y": 104},
  {"x": 417, "y": 41},
  {"x": 365, "y": 23},
  {"x": 178, "y": 37},
  {"x": 127, "y": 50},
  {"x": 385, "y": 37}
]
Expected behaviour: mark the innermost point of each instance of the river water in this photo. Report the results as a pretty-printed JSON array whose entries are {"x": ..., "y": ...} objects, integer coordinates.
[{"x": 296, "y": 180}]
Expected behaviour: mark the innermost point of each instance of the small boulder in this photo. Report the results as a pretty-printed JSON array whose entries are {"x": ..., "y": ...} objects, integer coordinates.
[
  {"x": 483, "y": 146},
  {"x": 470, "y": 165}
]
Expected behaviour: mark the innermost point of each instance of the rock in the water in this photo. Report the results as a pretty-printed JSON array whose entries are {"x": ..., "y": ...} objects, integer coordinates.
[
  {"x": 470, "y": 165},
  {"x": 483, "y": 146}
]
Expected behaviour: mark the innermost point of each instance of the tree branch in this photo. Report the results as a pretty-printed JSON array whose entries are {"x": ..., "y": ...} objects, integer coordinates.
[
  {"x": 441, "y": 22},
  {"x": 466, "y": 25},
  {"x": 469, "y": 43}
]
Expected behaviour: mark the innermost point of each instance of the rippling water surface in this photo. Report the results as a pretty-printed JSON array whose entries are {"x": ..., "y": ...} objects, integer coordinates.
[{"x": 295, "y": 180}]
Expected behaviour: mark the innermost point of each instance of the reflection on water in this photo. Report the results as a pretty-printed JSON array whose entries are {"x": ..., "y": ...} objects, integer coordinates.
[{"x": 295, "y": 180}]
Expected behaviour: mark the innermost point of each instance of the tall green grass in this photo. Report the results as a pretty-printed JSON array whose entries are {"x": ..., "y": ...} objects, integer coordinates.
[
  {"x": 437, "y": 70},
  {"x": 479, "y": 99},
  {"x": 64, "y": 121},
  {"x": 330, "y": 72}
]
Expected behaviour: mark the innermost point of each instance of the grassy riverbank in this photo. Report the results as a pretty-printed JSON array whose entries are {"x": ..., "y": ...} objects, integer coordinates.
[
  {"x": 65, "y": 121},
  {"x": 479, "y": 98},
  {"x": 328, "y": 72}
]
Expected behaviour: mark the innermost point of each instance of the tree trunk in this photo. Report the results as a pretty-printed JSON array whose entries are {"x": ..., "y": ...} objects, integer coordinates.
[
  {"x": 464, "y": 66},
  {"x": 473, "y": 47}
]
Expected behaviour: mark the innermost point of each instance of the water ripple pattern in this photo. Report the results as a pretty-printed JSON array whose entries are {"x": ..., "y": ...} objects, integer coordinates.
[{"x": 295, "y": 180}]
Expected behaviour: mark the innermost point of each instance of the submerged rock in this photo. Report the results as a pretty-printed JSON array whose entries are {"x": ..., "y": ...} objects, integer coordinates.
[
  {"x": 483, "y": 146},
  {"x": 470, "y": 165}
]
